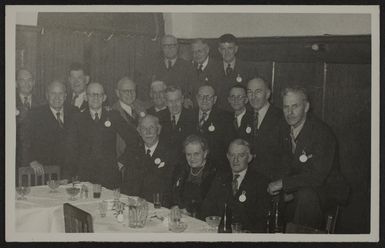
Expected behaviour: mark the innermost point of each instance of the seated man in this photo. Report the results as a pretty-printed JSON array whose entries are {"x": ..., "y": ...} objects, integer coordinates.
[
  {"x": 155, "y": 164},
  {"x": 243, "y": 190},
  {"x": 311, "y": 154},
  {"x": 158, "y": 97},
  {"x": 46, "y": 130},
  {"x": 91, "y": 144},
  {"x": 194, "y": 176}
]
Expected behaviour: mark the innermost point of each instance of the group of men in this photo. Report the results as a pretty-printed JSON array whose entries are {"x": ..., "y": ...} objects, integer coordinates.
[{"x": 261, "y": 149}]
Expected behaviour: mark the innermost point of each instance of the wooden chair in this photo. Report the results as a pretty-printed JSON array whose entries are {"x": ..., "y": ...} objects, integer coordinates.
[
  {"x": 28, "y": 177},
  {"x": 77, "y": 220}
]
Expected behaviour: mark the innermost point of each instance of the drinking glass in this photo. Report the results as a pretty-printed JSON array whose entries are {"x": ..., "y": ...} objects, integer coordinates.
[
  {"x": 175, "y": 224},
  {"x": 236, "y": 227},
  {"x": 22, "y": 191},
  {"x": 53, "y": 185},
  {"x": 213, "y": 222},
  {"x": 102, "y": 208},
  {"x": 157, "y": 200},
  {"x": 72, "y": 191},
  {"x": 97, "y": 189},
  {"x": 137, "y": 213}
]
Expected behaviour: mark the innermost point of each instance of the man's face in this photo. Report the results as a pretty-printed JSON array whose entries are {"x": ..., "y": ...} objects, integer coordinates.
[
  {"x": 174, "y": 102},
  {"x": 25, "y": 82},
  {"x": 149, "y": 131},
  {"x": 295, "y": 108},
  {"x": 206, "y": 98},
  {"x": 200, "y": 52},
  {"x": 95, "y": 96},
  {"x": 78, "y": 81},
  {"x": 126, "y": 92},
  {"x": 158, "y": 95},
  {"x": 228, "y": 51},
  {"x": 237, "y": 99},
  {"x": 239, "y": 157},
  {"x": 56, "y": 95},
  {"x": 195, "y": 155},
  {"x": 170, "y": 47},
  {"x": 257, "y": 93}
]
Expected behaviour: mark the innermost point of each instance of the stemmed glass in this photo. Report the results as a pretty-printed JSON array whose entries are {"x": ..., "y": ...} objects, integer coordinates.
[
  {"x": 22, "y": 191},
  {"x": 53, "y": 185},
  {"x": 213, "y": 222},
  {"x": 73, "y": 191}
]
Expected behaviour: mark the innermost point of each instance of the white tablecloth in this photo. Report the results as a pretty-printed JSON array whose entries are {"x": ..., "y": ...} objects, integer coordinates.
[{"x": 42, "y": 212}]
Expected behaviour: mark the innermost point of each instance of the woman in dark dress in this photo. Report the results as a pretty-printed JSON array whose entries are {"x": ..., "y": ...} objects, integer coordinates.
[{"x": 194, "y": 175}]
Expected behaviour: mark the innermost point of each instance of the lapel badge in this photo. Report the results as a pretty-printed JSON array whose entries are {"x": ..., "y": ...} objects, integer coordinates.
[
  {"x": 248, "y": 130},
  {"x": 239, "y": 78},
  {"x": 157, "y": 161},
  {"x": 242, "y": 197},
  {"x": 206, "y": 79},
  {"x": 142, "y": 114},
  {"x": 304, "y": 157},
  {"x": 211, "y": 127},
  {"x": 162, "y": 164},
  {"x": 107, "y": 123}
]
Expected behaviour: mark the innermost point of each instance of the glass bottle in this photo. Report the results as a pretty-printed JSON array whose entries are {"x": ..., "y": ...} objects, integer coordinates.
[{"x": 225, "y": 224}]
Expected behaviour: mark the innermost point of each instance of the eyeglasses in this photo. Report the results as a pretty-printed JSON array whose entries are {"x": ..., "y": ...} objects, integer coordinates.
[
  {"x": 127, "y": 91},
  {"x": 236, "y": 98},
  {"x": 96, "y": 95},
  {"x": 253, "y": 93},
  {"x": 205, "y": 97},
  {"x": 169, "y": 45}
]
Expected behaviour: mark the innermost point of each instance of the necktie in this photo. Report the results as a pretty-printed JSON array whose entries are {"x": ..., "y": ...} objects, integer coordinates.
[
  {"x": 293, "y": 141},
  {"x": 169, "y": 64},
  {"x": 96, "y": 119},
  {"x": 26, "y": 103},
  {"x": 60, "y": 122},
  {"x": 148, "y": 152},
  {"x": 203, "y": 119},
  {"x": 200, "y": 68},
  {"x": 235, "y": 122},
  {"x": 235, "y": 183},
  {"x": 255, "y": 123},
  {"x": 173, "y": 122},
  {"x": 229, "y": 70},
  {"x": 74, "y": 99}
]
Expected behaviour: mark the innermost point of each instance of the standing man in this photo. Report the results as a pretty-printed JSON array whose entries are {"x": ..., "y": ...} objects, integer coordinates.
[
  {"x": 78, "y": 80},
  {"x": 234, "y": 70},
  {"x": 242, "y": 189},
  {"x": 207, "y": 70},
  {"x": 266, "y": 126},
  {"x": 46, "y": 130},
  {"x": 214, "y": 125},
  {"x": 91, "y": 141},
  {"x": 314, "y": 177},
  {"x": 173, "y": 70},
  {"x": 157, "y": 95}
]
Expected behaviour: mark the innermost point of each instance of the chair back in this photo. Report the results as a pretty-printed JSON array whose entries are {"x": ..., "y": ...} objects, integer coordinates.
[
  {"x": 28, "y": 177},
  {"x": 77, "y": 220}
]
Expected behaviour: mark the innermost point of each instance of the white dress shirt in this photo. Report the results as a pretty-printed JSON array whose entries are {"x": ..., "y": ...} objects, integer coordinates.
[
  {"x": 126, "y": 108},
  {"x": 262, "y": 112},
  {"x": 80, "y": 99},
  {"x": 152, "y": 148},
  {"x": 54, "y": 111},
  {"x": 241, "y": 176},
  {"x": 240, "y": 116},
  {"x": 93, "y": 113}
]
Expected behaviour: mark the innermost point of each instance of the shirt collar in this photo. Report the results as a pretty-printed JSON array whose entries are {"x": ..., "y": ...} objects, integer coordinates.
[
  {"x": 152, "y": 148},
  {"x": 240, "y": 116},
  {"x": 297, "y": 130},
  {"x": 99, "y": 111},
  {"x": 126, "y": 107},
  {"x": 29, "y": 97},
  {"x": 242, "y": 175},
  {"x": 201, "y": 113},
  {"x": 159, "y": 109},
  {"x": 81, "y": 95},
  {"x": 54, "y": 111},
  {"x": 204, "y": 64},
  {"x": 262, "y": 113},
  {"x": 232, "y": 64},
  {"x": 173, "y": 61},
  {"x": 177, "y": 116}
]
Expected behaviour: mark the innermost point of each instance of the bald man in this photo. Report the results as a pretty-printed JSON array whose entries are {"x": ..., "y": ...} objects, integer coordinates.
[
  {"x": 91, "y": 142},
  {"x": 173, "y": 70},
  {"x": 47, "y": 129}
]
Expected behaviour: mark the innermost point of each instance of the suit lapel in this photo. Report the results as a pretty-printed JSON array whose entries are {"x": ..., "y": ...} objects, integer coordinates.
[{"x": 301, "y": 141}]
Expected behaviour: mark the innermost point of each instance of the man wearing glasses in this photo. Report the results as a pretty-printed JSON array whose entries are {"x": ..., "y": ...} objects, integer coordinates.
[
  {"x": 91, "y": 142},
  {"x": 213, "y": 124},
  {"x": 173, "y": 70},
  {"x": 265, "y": 129}
]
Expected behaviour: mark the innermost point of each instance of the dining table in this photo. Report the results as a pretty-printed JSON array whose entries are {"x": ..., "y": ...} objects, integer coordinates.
[{"x": 42, "y": 212}]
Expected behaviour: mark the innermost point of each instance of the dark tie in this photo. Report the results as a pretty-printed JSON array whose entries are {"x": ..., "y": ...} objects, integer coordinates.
[
  {"x": 229, "y": 70},
  {"x": 26, "y": 103},
  {"x": 255, "y": 123},
  {"x": 200, "y": 68},
  {"x": 148, "y": 153},
  {"x": 293, "y": 141},
  {"x": 132, "y": 117},
  {"x": 169, "y": 64},
  {"x": 97, "y": 118},
  {"x": 173, "y": 122},
  {"x": 235, "y": 122},
  {"x": 235, "y": 183},
  {"x": 74, "y": 99},
  {"x": 59, "y": 121},
  {"x": 203, "y": 119}
]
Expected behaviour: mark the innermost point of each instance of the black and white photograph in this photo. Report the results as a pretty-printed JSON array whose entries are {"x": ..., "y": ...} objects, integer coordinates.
[{"x": 192, "y": 123}]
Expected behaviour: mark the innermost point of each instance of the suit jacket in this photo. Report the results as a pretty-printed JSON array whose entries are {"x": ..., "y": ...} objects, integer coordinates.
[
  {"x": 45, "y": 139},
  {"x": 245, "y": 130},
  {"x": 162, "y": 115},
  {"x": 182, "y": 188},
  {"x": 243, "y": 71},
  {"x": 251, "y": 213},
  {"x": 91, "y": 147},
  {"x": 217, "y": 131},
  {"x": 319, "y": 168},
  {"x": 152, "y": 174},
  {"x": 179, "y": 75}
]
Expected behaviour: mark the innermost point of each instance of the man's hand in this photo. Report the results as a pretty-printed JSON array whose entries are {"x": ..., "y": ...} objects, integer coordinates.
[
  {"x": 187, "y": 103},
  {"x": 37, "y": 168},
  {"x": 274, "y": 187}
]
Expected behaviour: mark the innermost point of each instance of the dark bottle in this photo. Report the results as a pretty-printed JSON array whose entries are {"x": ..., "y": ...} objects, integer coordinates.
[
  {"x": 225, "y": 224},
  {"x": 278, "y": 222}
]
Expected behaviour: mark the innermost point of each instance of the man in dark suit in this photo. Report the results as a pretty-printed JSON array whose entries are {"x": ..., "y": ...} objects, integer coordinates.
[
  {"x": 266, "y": 135},
  {"x": 179, "y": 123},
  {"x": 312, "y": 156},
  {"x": 214, "y": 125},
  {"x": 155, "y": 164},
  {"x": 158, "y": 97},
  {"x": 91, "y": 142},
  {"x": 25, "y": 101},
  {"x": 46, "y": 130},
  {"x": 207, "y": 70},
  {"x": 243, "y": 190},
  {"x": 78, "y": 80},
  {"x": 234, "y": 70},
  {"x": 173, "y": 70}
]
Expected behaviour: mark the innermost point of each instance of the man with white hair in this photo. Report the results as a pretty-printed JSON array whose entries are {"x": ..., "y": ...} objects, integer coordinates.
[{"x": 158, "y": 98}]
